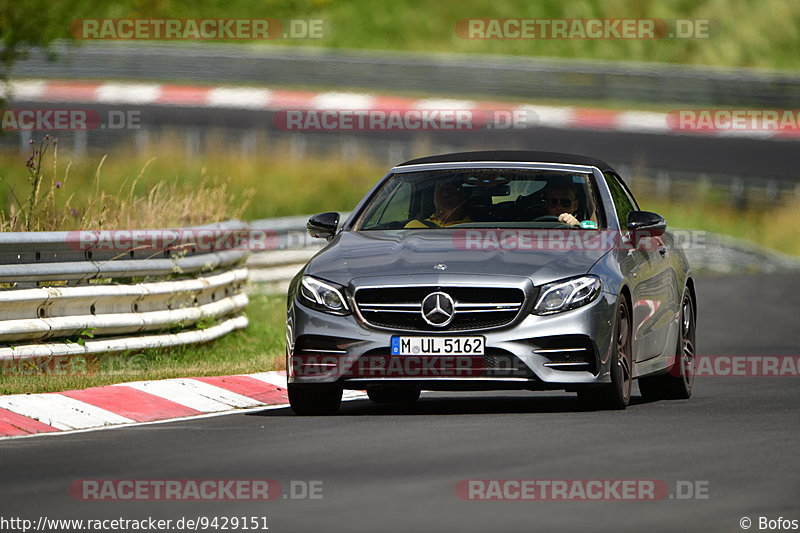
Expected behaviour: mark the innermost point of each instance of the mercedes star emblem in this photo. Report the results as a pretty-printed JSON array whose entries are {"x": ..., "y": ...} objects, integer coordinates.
[{"x": 438, "y": 309}]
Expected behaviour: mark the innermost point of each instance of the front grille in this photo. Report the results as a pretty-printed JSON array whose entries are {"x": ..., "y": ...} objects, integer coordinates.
[{"x": 476, "y": 308}]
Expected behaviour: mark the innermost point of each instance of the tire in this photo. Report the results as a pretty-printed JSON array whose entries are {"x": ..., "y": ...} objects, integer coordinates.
[
  {"x": 677, "y": 384},
  {"x": 393, "y": 394},
  {"x": 314, "y": 400},
  {"x": 617, "y": 394}
]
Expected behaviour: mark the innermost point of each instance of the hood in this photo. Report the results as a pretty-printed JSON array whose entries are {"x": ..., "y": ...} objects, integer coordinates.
[{"x": 362, "y": 254}]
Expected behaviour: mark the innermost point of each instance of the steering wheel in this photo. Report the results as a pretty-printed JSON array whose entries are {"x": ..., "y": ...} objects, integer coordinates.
[{"x": 546, "y": 218}]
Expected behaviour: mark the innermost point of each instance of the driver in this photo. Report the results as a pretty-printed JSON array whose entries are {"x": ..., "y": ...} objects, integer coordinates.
[
  {"x": 448, "y": 200},
  {"x": 561, "y": 201}
]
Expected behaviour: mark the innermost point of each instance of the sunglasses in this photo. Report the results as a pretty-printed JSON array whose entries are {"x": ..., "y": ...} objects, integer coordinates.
[{"x": 563, "y": 202}]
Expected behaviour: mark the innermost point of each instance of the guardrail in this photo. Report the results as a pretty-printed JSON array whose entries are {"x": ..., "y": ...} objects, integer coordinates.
[
  {"x": 62, "y": 297},
  {"x": 447, "y": 74}
]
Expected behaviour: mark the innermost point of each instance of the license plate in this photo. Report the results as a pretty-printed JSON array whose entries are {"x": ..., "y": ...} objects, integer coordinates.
[{"x": 438, "y": 345}]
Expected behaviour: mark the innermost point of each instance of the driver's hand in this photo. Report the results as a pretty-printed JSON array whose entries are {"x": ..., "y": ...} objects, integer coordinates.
[{"x": 566, "y": 218}]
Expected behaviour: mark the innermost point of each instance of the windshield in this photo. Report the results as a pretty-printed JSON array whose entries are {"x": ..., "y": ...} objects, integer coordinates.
[{"x": 483, "y": 198}]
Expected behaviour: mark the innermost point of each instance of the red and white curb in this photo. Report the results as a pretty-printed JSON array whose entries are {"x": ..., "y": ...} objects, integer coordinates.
[
  {"x": 266, "y": 99},
  {"x": 141, "y": 402}
]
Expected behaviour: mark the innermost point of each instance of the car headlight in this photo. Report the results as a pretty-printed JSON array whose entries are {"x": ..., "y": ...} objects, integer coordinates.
[
  {"x": 323, "y": 296},
  {"x": 567, "y": 294}
]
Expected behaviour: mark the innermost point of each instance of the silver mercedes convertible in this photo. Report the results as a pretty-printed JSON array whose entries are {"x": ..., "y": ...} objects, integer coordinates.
[{"x": 492, "y": 271}]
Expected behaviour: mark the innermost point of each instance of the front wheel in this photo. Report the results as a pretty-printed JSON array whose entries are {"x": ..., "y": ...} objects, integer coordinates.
[
  {"x": 314, "y": 400},
  {"x": 617, "y": 394},
  {"x": 678, "y": 383}
]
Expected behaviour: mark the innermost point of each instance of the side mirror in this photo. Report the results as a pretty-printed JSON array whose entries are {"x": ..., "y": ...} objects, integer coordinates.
[
  {"x": 643, "y": 224},
  {"x": 650, "y": 224},
  {"x": 323, "y": 225}
]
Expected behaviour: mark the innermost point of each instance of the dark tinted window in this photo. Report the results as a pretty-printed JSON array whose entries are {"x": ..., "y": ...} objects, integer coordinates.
[
  {"x": 481, "y": 198},
  {"x": 623, "y": 201}
]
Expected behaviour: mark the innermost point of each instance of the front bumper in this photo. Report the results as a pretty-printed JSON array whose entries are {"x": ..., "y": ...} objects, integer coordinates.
[{"x": 567, "y": 350}]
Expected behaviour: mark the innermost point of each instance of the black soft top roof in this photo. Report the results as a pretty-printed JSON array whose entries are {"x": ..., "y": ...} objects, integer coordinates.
[{"x": 512, "y": 155}]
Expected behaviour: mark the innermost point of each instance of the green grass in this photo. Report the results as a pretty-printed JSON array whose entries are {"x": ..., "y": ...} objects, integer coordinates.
[
  {"x": 745, "y": 33},
  {"x": 166, "y": 187},
  {"x": 258, "y": 348},
  {"x": 48, "y": 193}
]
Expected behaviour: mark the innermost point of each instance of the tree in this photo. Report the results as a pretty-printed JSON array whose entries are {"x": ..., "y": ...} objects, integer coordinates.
[{"x": 25, "y": 24}]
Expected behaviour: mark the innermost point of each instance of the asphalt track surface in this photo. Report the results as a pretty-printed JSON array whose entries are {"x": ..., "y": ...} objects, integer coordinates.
[{"x": 395, "y": 469}]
